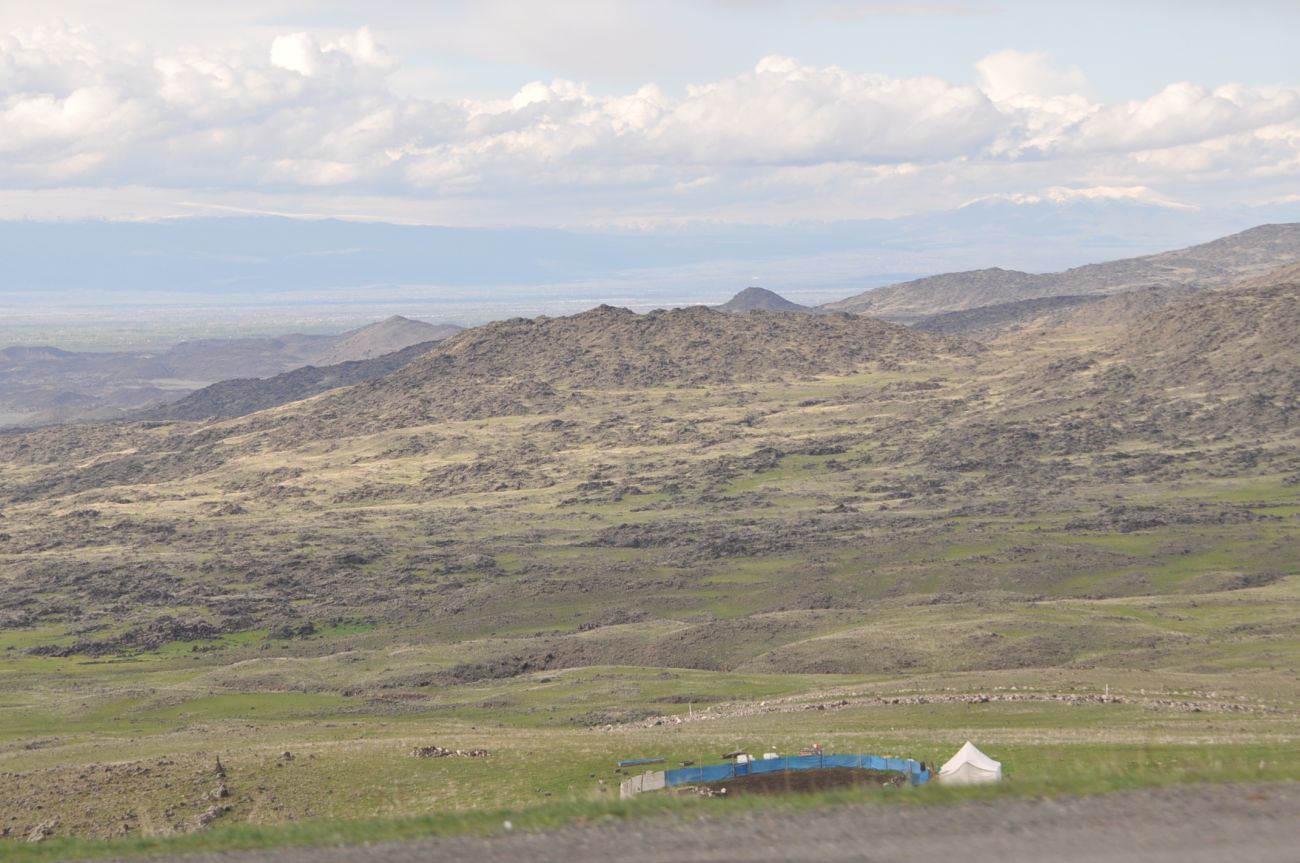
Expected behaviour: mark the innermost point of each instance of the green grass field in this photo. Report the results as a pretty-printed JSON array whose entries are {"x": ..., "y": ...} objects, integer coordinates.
[{"x": 134, "y": 754}]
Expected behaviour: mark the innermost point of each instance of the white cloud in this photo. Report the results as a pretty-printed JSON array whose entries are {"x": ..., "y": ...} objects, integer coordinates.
[
  {"x": 787, "y": 113},
  {"x": 300, "y": 52},
  {"x": 300, "y": 114},
  {"x": 1071, "y": 194},
  {"x": 1005, "y": 75},
  {"x": 297, "y": 52},
  {"x": 1186, "y": 113}
]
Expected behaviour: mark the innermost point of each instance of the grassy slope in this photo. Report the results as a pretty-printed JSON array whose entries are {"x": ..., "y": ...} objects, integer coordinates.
[{"x": 352, "y": 778}]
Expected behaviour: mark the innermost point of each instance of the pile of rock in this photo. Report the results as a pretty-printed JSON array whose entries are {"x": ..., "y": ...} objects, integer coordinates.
[{"x": 441, "y": 752}]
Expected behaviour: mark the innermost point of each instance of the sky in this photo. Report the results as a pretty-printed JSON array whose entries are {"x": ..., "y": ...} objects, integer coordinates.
[{"x": 617, "y": 115}]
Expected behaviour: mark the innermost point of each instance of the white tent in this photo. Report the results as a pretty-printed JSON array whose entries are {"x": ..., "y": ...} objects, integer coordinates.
[{"x": 970, "y": 767}]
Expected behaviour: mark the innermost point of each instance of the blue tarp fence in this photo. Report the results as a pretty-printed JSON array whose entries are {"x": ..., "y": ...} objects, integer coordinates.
[
  {"x": 636, "y": 762},
  {"x": 718, "y": 772}
]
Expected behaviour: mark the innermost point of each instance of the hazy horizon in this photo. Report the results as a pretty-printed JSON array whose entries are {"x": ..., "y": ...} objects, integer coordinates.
[
  {"x": 555, "y": 156},
  {"x": 144, "y": 285}
]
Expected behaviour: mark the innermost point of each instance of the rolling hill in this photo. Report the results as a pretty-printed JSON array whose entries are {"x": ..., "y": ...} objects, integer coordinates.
[
  {"x": 241, "y": 396},
  {"x": 1181, "y": 374},
  {"x": 524, "y": 366},
  {"x": 376, "y": 340},
  {"x": 1065, "y": 316},
  {"x": 612, "y": 347},
  {"x": 1215, "y": 264},
  {"x": 691, "y": 442},
  {"x": 44, "y": 386},
  {"x": 752, "y": 298},
  {"x": 984, "y": 323},
  {"x": 1246, "y": 334}
]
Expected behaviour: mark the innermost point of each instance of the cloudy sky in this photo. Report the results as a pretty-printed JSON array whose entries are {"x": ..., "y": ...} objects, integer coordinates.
[{"x": 608, "y": 113}]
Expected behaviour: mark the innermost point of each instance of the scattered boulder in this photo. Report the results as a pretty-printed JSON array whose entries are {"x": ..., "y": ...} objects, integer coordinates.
[
  {"x": 442, "y": 752},
  {"x": 43, "y": 831}
]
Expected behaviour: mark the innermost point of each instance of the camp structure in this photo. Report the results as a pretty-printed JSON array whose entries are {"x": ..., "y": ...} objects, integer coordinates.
[
  {"x": 970, "y": 767},
  {"x": 743, "y": 764}
]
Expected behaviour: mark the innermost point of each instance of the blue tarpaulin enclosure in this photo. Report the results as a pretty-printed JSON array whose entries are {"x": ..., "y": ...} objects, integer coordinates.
[
  {"x": 718, "y": 772},
  {"x": 635, "y": 762}
]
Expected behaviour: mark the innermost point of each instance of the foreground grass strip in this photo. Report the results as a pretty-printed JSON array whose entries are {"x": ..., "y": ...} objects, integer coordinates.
[{"x": 551, "y": 816}]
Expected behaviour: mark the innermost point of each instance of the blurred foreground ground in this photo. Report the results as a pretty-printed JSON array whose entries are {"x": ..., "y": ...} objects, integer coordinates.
[{"x": 1187, "y": 824}]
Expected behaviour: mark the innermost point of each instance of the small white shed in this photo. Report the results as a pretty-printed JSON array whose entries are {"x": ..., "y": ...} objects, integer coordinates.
[{"x": 970, "y": 767}]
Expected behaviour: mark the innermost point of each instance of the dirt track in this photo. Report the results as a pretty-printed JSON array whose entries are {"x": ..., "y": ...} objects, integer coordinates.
[{"x": 1173, "y": 825}]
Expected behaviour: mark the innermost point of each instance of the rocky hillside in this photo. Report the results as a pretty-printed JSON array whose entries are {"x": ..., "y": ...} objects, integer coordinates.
[
  {"x": 693, "y": 489},
  {"x": 752, "y": 299},
  {"x": 524, "y": 366},
  {"x": 1115, "y": 311},
  {"x": 985, "y": 323},
  {"x": 1070, "y": 316},
  {"x": 1281, "y": 276},
  {"x": 1212, "y": 365},
  {"x": 1215, "y": 264},
  {"x": 1247, "y": 334},
  {"x": 517, "y": 367},
  {"x": 609, "y": 347},
  {"x": 908, "y": 302}
]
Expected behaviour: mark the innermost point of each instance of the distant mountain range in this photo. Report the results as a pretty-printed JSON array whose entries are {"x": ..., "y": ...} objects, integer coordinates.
[
  {"x": 994, "y": 303},
  {"x": 234, "y": 266},
  {"x": 42, "y": 385},
  {"x": 1221, "y": 262}
]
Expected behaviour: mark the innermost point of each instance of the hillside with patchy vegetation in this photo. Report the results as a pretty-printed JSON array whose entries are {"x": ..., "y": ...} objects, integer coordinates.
[{"x": 717, "y": 523}]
